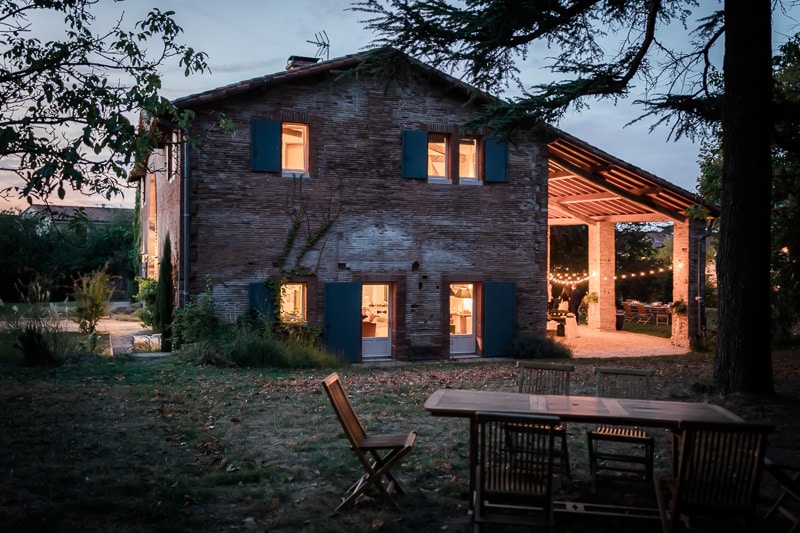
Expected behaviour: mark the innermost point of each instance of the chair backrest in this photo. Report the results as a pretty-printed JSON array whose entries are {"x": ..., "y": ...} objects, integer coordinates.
[
  {"x": 627, "y": 308},
  {"x": 544, "y": 378},
  {"x": 719, "y": 467},
  {"x": 642, "y": 310},
  {"x": 515, "y": 457},
  {"x": 631, "y": 383},
  {"x": 344, "y": 410}
]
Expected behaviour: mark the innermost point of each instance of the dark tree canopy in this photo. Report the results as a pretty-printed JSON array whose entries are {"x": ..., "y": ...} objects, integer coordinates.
[
  {"x": 604, "y": 49},
  {"x": 66, "y": 103}
]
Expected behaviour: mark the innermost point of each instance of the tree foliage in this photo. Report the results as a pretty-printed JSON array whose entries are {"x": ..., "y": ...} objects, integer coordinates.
[
  {"x": 66, "y": 103},
  {"x": 34, "y": 246},
  {"x": 600, "y": 50},
  {"x": 785, "y": 220}
]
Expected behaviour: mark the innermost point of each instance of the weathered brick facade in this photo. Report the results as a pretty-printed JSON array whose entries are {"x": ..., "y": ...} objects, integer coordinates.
[{"x": 416, "y": 236}]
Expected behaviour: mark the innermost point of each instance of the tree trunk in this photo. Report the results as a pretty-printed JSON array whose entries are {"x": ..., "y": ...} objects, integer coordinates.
[{"x": 743, "y": 355}]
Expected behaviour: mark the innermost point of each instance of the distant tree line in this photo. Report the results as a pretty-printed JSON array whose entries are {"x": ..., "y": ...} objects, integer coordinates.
[{"x": 32, "y": 247}]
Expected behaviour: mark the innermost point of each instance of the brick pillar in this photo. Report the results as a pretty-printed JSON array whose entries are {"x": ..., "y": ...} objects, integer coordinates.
[
  {"x": 688, "y": 283},
  {"x": 601, "y": 275}
]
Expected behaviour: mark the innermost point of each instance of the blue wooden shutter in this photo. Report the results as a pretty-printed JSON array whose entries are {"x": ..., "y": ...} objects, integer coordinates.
[
  {"x": 499, "y": 317},
  {"x": 343, "y": 320},
  {"x": 260, "y": 301},
  {"x": 496, "y": 160},
  {"x": 265, "y": 146},
  {"x": 415, "y": 154}
]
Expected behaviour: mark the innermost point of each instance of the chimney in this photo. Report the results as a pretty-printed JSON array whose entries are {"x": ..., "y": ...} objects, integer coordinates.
[{"x": 300, "y": 61}]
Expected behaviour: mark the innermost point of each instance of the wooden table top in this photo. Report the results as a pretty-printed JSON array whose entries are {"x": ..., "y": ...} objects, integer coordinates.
[{"x": 653, "y": 413}]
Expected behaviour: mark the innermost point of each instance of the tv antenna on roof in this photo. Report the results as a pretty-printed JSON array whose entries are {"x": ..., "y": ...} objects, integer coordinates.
[{"x": 323, "y": 44}]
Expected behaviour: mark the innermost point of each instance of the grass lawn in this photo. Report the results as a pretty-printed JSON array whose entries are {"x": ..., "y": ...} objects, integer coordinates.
[{"x": 166, "y": 445}]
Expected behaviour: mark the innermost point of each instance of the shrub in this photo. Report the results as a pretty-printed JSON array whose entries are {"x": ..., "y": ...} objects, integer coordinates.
[
  {"x": 527, "y": 346},
  {"x": 254, "y": 350},
  {"x": 198, "y": 320},
  {"x": 37, "y": 333},
  {"x": 147, "y": 296},
  {"x": 92, "y": 294},
  {"x": 299, "y": 355}
]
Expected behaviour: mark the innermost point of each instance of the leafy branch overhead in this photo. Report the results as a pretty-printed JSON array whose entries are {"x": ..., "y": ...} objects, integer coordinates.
[
  {"x": 483, "y": 42},
  {"x": 69, "y": 106}
]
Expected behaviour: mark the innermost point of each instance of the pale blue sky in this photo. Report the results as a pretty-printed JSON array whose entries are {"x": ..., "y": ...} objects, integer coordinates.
[{"x": 246, "y": 39}]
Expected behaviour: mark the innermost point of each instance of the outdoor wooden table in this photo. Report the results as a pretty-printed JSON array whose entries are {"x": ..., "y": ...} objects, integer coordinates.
[{"x": 647, "y": 413}]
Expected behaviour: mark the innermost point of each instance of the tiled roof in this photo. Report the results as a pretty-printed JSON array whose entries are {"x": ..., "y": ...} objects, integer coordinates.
[{"x": 307, "y": 71}]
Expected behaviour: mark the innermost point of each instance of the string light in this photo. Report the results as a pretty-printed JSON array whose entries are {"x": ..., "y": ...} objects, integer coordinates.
[{"x": 566, "y": 279}]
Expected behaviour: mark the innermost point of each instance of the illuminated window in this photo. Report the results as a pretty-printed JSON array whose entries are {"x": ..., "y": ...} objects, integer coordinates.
[
  {"x": 293, "y": 303},
  {"x": 437, "y": 155},
  {"x": 294, "y": 148},
  {"x": 468, "y": 158}
]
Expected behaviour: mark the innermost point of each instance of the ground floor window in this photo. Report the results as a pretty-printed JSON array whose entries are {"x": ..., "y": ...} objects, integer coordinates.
[{"x": 293, "y": 303}]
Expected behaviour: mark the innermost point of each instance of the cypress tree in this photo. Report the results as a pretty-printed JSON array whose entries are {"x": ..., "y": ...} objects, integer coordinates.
[{"x": 162, "y": 313}]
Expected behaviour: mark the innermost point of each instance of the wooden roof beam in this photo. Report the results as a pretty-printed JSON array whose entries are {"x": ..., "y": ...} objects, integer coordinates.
[{"x": 603, "y": 184}]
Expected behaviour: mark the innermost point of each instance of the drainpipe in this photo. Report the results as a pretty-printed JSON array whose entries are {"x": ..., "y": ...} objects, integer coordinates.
[
  {"x": 701, "y": 270},
  {"x": 184, "y": 292}
]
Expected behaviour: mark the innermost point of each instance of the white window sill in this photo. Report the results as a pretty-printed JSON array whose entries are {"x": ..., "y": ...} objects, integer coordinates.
[
  {"x": 470, "y": 182},
  {"x": 295, "y": 174},
  {"x": 439, "y": 181}
]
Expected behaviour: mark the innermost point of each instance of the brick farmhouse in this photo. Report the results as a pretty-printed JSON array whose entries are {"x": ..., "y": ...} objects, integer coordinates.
[{"x": 362, "y": 206}]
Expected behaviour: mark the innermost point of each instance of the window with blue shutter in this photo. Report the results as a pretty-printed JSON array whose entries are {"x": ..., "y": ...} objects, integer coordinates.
[
  {"x": 415, "y": 154},
  {"x": 495, "y": 160},
  {"x": 265, "y": 146}
]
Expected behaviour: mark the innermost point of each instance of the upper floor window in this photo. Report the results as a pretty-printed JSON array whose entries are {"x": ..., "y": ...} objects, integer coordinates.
[
  {"x": 468, "y": 158},
  {"x": 437, "y": 155},
  {"x": 277, "y": 146},
  {"x": 294, "y": 148},
  {"x": 433, "y": 156},
  {"x": 293, "y": 303}
]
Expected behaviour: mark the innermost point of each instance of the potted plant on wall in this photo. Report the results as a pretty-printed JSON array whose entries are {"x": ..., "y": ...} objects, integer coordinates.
[{"x": 678, "y": 308}]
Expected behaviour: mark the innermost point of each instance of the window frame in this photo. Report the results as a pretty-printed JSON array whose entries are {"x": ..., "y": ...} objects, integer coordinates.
[
  {"x": 267, "y": 152},
  {"x": 297, "y": 315},
  {"x": 291, "y": 172}
]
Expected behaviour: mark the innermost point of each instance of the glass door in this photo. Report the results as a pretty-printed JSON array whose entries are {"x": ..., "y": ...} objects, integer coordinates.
[
  {"x": 462, "y": 318},
  {"x": 376, "y": 321}
]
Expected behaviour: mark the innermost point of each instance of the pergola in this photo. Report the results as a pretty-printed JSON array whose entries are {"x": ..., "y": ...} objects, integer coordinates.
[{"x": 588, "y": 186}]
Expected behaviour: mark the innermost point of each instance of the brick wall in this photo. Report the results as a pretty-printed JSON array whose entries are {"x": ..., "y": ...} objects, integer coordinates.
[{"x": 418, "y": 235}]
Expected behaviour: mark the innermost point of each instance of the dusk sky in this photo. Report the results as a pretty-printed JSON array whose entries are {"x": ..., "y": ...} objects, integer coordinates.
[{"x": 246, "y": 39}]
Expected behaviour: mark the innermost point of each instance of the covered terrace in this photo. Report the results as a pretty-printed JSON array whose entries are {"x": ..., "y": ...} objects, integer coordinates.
[{"x": 588, "y": 186}]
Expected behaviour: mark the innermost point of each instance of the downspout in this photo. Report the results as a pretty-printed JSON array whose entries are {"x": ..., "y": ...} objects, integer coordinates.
[{"x": 184, "y": 292}]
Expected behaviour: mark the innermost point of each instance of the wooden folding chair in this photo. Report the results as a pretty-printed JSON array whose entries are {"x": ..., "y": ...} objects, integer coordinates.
[
  {"x": 662, "y": 317},
  {"x": 514, "y": 469},
  {"x": 643, "y": 315},
  {"x": 630, "y": 315},
  {"x": 376, "y": 453},
  {"x": 718, "y": 474},
  {"x": 605, "y": 442},
  {"x": 549, "y": 378},
  {"x": 784, "y": 466}
]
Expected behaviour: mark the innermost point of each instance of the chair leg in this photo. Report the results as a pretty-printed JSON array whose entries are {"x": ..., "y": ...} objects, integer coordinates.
[{"x": 374, "y": 476}]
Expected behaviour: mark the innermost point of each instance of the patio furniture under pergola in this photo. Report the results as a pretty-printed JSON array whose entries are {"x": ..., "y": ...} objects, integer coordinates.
[{"x": 588, "y": 186}]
